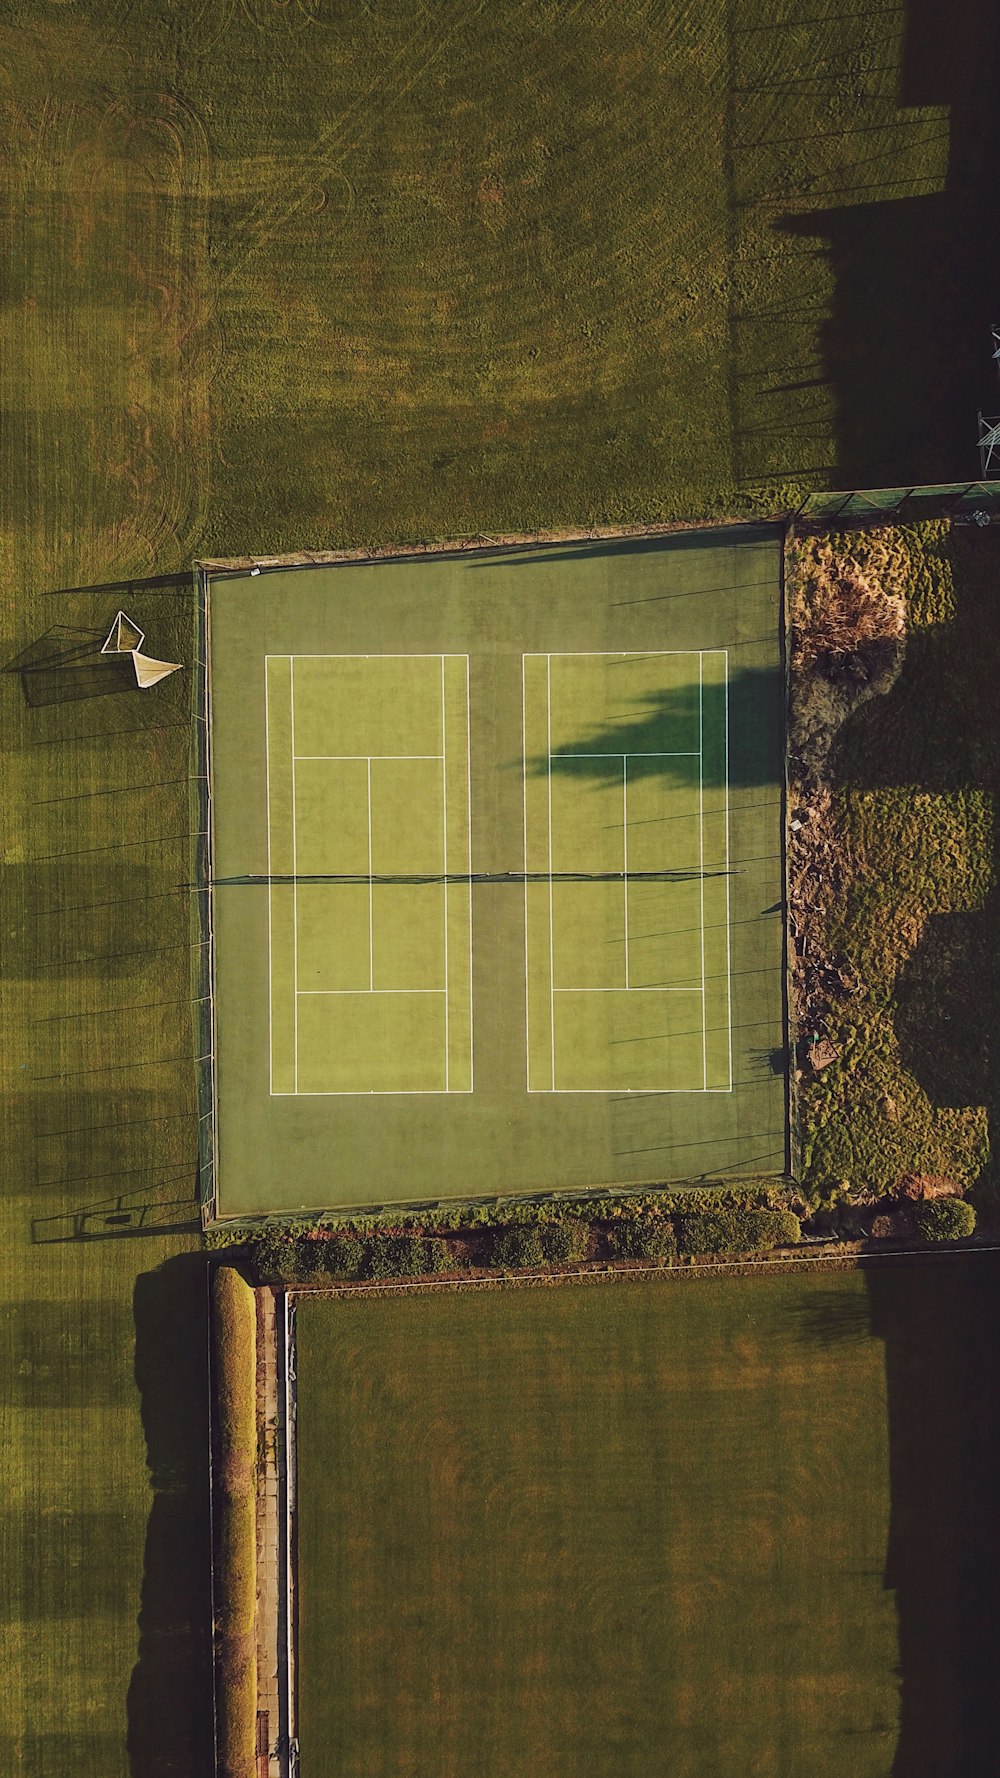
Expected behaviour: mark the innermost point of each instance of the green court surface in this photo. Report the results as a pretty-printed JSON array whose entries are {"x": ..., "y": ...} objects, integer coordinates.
[
  {"x": 497, "y": 871},
  {"x": 616, "y": 1530}
]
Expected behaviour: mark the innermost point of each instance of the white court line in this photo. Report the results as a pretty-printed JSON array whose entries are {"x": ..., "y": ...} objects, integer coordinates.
[
  {"x": 632, "y": 754},
  {"x": 548, "y": 773},
  {"x": 701, "y": 862},
  {"x": 270, "y": 885},
  {"x": 368, "y": 992},
  {"x": 664, "y": 989},
  {"x": 295, "y": 879},
  {"x": 468, "y": 829},
  {"x": 625, "y": 854},
  {"x": 444, "y": 887},
  {"x": 297, "y": 656},
  {"x": 371, "y": 891},
  {"x": 369, "y": 756}
]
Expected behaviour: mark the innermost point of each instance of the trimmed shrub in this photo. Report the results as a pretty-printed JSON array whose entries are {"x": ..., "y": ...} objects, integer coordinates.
[
  {"x": 564, "y": 1242},
  {"x": 945, "y": 1219},
  {"x": 343, "y": 1256},
  {"x": 311, "y": 1259},
  {"x": 515, "y": 1247},
  {"x": 643, "y": 1237},
  {"x": 735, "y": 1231},
  {"x": 438, "y": 1256},
  {"x": 275, "y": 1257},
  {"x": 395, "y": 1256},
  {"x": 234, "y": 1329}
]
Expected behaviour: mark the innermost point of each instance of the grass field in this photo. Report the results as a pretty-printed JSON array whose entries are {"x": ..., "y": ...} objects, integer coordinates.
[
  {"x": 497, "y": 872},
  {"x": 649, "y": 1527},
  {"x": 280, "y": 277}
]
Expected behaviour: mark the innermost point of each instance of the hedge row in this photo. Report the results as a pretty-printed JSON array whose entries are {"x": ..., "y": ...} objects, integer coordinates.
[
  {"x": 234, "y": 1331},
  {"x": 280, "y": 1257},
  {"x": 500, "y": 1213}
]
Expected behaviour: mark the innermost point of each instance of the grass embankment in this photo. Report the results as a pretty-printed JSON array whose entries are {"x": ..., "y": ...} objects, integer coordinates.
[
  {"x": 234, "y": 1329},
  {"x": 892, "y": 871},
  {"x": 616, "y": 1532}
]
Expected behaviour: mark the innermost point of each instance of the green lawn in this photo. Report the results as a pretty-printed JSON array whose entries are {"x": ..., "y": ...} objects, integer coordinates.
[
  {"x": 497, "y": 872},
  {"x": 280, "y": 277},
  {"x": 616, "y": 1530}
]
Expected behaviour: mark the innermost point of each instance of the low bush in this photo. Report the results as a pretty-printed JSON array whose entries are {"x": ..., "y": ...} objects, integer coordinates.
[
  {"x": 735, "y": 1231},
  {"x": 945, "y": 1219},
  {"x": 275, "y": 1257},
  {"x": 643, "y": 1237},
  {"x": 517, "y": 1247},
  {"x": 565, "y": 1242},
  {"x": 343, "y": 1256},
  {"x": 310, "y": 1259},
  {"x": 395, "y": 1256},
  {"x": 438, "y": 1256}
]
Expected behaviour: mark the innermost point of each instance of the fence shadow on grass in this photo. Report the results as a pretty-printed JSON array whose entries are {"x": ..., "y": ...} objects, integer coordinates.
[{"x": 170, "y": 1717}]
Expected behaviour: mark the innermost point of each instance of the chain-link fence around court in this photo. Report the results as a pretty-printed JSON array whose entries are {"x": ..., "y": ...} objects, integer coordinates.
[{"x": 968, "y": 502}]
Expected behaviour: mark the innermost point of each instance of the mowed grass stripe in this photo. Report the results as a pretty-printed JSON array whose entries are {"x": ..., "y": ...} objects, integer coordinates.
[{"x": 618, "y": 1531}]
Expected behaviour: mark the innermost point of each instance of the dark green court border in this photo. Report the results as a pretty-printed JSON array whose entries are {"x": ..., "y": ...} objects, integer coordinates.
[{"x": 692, "y": 589}]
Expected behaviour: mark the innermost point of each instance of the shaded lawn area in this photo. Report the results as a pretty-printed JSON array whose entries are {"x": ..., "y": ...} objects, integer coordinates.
[{"x": 618, "y": 1530}]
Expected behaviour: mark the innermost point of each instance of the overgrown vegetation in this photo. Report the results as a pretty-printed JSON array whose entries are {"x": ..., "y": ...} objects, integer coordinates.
[
  {"x": 891, "y": 859},
  {"x": 234, "y": 1349}
]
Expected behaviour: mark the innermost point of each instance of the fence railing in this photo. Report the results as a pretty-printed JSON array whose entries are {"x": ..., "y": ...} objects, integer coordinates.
[{"x": 978, "y": 501}]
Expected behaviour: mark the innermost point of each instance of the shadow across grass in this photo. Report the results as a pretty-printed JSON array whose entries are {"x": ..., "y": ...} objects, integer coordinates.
[
  {"x": 170, "y": 1719},
  {"x": 906, "y": 347},
  {"x": 940, "y": 1323},
  {"x": 935, "y": 732}
]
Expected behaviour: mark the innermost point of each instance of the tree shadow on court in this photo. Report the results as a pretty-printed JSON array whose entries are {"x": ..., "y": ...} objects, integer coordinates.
[
  {"x": 660, "y": 733},
  {"x": 170, "y": 1713},
  {"x": 906, "y": 347}
]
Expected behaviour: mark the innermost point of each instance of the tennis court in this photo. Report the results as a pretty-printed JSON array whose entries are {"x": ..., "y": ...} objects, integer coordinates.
[
  {"x": 370, "y": 940},
  {"x": 496, "y": 871},
  {"x": 626, "y": 873}
]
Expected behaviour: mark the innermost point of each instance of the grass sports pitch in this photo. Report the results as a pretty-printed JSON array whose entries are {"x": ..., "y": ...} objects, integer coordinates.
[
  {"x": 620, "y": 1530},
  {"x": 496, "y": 871}
]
